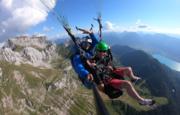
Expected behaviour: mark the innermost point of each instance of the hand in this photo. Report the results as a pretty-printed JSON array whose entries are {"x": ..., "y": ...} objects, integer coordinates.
[
  {"x": 90, "y": 77},
  {"x": 86, "y": 31},
  {"x": 92, "y": 64},
  {"x": 101, "y": 87},
  {"x": 110, "y": 68}
]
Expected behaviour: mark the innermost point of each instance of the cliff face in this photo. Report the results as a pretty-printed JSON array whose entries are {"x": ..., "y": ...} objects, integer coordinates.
[
  {"x": 32, "y": 83},
  {"x": 36, "y": 51},
  {"x": 29, "y": 41}
]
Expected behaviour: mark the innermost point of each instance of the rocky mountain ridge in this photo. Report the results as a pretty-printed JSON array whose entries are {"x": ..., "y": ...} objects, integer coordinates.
[
  {"x": 34, "y": 50},
  {"x": 36, "y": 79}
]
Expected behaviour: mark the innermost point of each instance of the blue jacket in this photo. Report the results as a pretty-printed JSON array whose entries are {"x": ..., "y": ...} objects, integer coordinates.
[
  {"x": 78, "y": 65},
  {"x": 94, "y": 43}
]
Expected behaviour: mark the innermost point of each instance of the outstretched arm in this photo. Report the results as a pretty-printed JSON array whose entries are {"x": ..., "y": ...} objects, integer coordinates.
[
  {"x": 84, "y": 30},
  {"x": 91, "y": 34}
]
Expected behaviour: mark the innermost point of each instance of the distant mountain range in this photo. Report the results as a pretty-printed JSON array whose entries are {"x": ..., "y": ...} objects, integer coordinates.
[
  {"x": 61, "y": 40},
  {"x": 160, "y": 80},
  {"x": 152, "y": 43}
]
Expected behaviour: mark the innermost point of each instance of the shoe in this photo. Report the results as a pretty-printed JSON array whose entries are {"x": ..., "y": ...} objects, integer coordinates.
[
  {"x": 147, "y": 102},
  {"x": 135, "y": 79}
]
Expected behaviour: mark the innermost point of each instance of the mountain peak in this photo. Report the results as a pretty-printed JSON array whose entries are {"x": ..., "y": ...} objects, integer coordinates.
[
  {"x": 28, "y": 41},
  {"x": 34, "y": 50}
]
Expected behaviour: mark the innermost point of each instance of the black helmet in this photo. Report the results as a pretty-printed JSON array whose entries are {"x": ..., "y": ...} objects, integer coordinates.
[
  {"x": 88, "y": 39},
  {"x": 86, "y": 43}
]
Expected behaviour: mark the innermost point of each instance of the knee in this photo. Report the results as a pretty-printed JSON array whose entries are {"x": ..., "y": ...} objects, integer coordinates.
[
  {"x": 127, "y": 84},
  {"x": 129, "y": 68}
]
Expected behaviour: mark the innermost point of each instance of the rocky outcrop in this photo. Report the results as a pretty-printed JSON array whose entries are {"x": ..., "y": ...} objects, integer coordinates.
[
  {"x": 35, "y": 50},
  {"x": 31, "y": 84},
  {"x": 27, "y": 41},
  {"x": 6, "y": 54}
]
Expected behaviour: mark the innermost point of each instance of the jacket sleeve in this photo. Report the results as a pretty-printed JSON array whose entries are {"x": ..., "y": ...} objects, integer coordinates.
[
  {"x": 79, "y": 67},
  {"x": 94, "y": 40}
]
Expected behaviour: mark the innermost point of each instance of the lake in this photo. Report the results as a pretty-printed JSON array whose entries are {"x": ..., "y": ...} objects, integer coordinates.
[{"x": 168, "y": 62}]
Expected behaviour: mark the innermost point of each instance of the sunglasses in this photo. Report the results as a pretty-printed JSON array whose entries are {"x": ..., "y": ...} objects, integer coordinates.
[{"x": 101, "y": 51}]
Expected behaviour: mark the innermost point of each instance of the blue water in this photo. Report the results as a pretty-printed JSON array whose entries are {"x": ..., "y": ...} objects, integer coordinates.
[{"x": 170, "y": 63}]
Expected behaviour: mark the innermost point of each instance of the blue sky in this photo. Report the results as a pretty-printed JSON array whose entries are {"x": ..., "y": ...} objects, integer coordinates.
[
  {"x": 160, "y": 15},
  {"x": 118, "y": 15}
]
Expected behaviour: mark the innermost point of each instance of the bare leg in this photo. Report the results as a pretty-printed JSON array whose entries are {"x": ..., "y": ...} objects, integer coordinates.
[
  {"x": 129, "y": 73},
  {"x": 124, "y": 84},
  {"x": 131, "y": 91}
]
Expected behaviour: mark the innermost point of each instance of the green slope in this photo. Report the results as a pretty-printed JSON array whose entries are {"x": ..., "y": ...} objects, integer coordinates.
[{"x": 29, "y": 90}]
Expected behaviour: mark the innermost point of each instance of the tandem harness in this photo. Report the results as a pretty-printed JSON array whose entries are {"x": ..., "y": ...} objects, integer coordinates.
[{"x": 101, "y": 73}]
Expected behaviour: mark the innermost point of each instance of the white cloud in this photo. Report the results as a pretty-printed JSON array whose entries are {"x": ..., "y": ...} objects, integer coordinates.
[
  {"x": 108, "y": 25},
  {"x": 60, "y": 35},
  {"x": 2, "y": 31},
  {"x": 166, "y": 30},
  {"x": 139, "y": 26},
  {"x": 16, "y": 16},
  {"x": 47, "y": 29}
]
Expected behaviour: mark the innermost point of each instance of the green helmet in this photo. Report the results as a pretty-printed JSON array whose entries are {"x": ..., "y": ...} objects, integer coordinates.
[{"x": 102, "y": 46}]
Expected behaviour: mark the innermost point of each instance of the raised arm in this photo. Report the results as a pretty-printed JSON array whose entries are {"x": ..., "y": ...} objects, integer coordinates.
[
  {"x": 91, "y": 34},
  {"x": 84, "y": 31}
]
